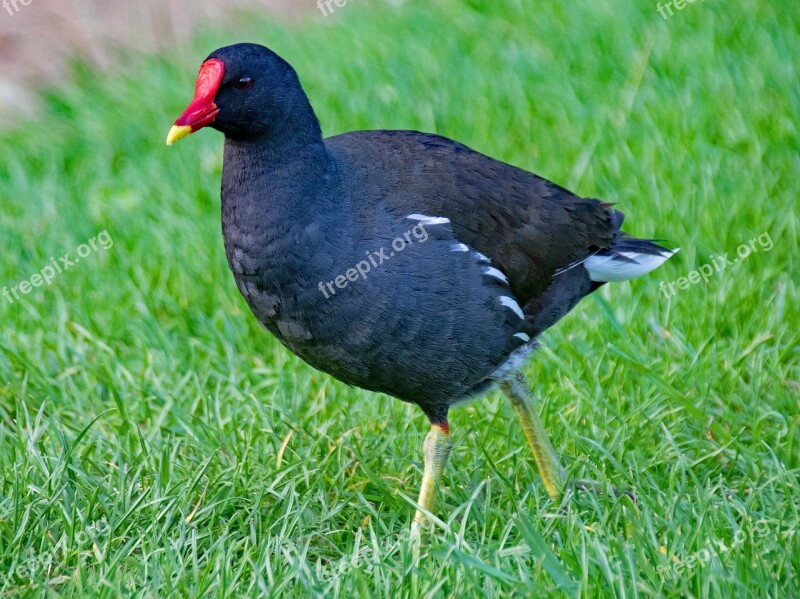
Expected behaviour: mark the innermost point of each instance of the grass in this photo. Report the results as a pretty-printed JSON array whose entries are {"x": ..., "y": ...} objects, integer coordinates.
[{"x": 155, "y": 441}]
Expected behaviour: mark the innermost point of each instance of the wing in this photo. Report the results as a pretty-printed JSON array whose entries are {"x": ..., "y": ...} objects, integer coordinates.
[{"x": 530, "y": 228}]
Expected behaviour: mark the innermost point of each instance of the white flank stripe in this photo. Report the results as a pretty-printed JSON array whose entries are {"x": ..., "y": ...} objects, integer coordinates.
[
  {"x": 510, "y": 302},
  {"x": 429, "y": 220},
  {"x": 459, "y": 247},
  {"x": 493, "y": 272},
  {"x": 525, "y": 338},
  {"x": 605, "y": 269}
]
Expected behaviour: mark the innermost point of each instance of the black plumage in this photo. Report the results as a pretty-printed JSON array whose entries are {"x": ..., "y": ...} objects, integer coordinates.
[{"x": 505, "y": 254}]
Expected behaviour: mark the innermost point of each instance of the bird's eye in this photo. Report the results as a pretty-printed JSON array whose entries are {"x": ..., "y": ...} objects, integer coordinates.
[{"x": 244, "y": 83}]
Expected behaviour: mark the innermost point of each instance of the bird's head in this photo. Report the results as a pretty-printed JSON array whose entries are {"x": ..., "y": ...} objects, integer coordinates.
[{"x": 245, "y": 91}]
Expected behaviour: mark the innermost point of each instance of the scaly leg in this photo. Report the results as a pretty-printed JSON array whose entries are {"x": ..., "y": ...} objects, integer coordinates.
[
  {"x": 437, "y": 449},
  {"x": 546, "y": 458}
]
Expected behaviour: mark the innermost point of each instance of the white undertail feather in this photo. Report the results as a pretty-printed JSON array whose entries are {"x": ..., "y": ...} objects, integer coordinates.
[{"x": 607, "y": 269}]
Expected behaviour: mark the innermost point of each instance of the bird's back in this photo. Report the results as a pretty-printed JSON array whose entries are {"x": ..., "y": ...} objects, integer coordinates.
[{"x": 530, "y": 227}]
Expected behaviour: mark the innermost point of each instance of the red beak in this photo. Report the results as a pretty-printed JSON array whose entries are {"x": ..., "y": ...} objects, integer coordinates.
[{"x": 202, "y": 111}]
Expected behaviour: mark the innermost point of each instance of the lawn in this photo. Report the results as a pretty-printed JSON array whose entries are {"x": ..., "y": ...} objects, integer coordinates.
[{"x": 156, "y": 441}]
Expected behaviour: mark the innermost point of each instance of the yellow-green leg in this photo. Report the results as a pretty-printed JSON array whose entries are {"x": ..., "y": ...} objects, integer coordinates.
[
  {"x": 546, "y": 458},
  {"x": 437, "y": 449}
]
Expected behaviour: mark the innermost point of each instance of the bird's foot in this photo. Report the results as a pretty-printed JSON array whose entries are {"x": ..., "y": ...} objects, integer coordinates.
[{"x": 437, "y": 449}]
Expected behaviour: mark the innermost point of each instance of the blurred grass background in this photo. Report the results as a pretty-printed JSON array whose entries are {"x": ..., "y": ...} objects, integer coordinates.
[{"x": 154, "y": 440}]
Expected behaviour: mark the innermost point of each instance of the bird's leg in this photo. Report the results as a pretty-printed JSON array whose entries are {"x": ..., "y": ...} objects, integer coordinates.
[
  {"x": 546, "y": 458},
  {"x": 437, "y": 449}
]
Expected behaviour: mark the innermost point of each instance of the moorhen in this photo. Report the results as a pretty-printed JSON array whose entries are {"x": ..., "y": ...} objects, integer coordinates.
[{"x": 397, "y": 261}]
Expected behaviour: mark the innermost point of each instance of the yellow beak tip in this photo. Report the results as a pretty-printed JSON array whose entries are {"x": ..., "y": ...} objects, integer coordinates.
[{"x": 177, "y": 133}]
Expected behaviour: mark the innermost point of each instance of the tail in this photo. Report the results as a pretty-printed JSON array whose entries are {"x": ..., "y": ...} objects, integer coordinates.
[{"x": 626, "y": 259}]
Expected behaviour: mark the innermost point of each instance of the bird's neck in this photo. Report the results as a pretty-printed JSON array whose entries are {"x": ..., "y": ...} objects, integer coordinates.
[
  {"x": 279, "y": 205},
  {"x": 291, "y": 177},
  {"x": 291, "y": 147}
]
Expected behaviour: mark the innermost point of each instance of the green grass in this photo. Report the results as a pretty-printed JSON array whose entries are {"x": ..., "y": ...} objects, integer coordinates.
[{"x": 155, "y": 441}]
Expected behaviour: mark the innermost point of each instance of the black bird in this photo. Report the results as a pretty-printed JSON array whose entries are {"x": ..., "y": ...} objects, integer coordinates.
[{"x": 397, "y": 261}]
